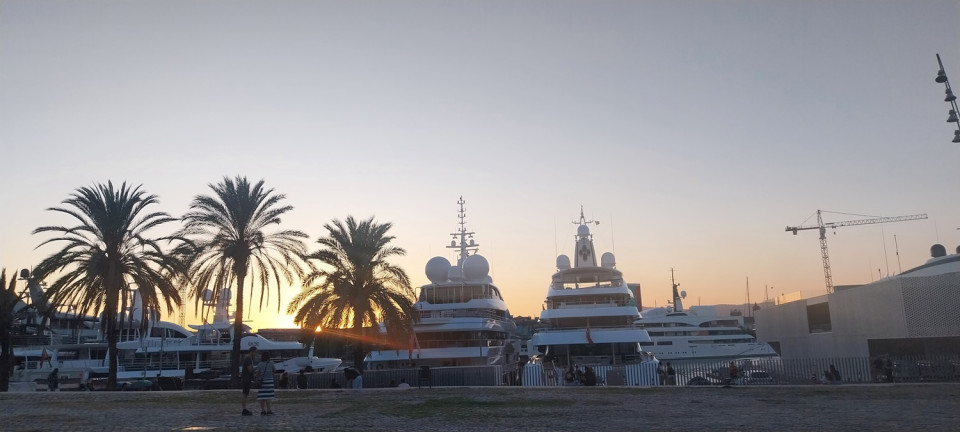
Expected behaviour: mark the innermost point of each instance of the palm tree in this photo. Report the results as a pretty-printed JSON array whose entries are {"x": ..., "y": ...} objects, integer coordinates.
[
  {"x": 357, "y": 286},
  {"x": 228, "y": 229},
  {"x": 108, "y": 252},
  {"x": 12, "y": 307}
]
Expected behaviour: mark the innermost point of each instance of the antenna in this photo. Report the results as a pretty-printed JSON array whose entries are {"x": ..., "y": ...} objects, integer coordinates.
[
  {"x": 613, "y": 237},
  {"x": 583, "y": 220},
  {"x": 897, "y": 246},
  {"x": 556, "y": 248},
  {"x": 466, "y": 243},
  {"x": 748, "y": 292},
  {"x": 883, "y": 236}
]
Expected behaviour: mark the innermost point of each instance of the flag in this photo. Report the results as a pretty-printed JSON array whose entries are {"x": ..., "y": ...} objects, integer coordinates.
[
  {"x": 44, "y": 357},
  {"x": 589, "y": 339}
]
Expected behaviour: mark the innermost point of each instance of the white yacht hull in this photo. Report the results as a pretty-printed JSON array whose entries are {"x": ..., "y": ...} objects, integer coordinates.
[{"x": 711, "y": 351}]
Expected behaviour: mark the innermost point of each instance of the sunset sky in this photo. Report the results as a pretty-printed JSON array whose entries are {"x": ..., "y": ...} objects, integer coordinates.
[{"x": 694, "y": 131}]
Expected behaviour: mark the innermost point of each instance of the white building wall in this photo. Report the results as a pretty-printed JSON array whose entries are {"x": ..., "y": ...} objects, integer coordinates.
[{"x": 856, "y": 315}]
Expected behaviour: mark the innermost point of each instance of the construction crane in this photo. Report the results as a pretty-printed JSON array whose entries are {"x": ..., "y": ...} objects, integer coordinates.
[{"x": 823, "y": 235}]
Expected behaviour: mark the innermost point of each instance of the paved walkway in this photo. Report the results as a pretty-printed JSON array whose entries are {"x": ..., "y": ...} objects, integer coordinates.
[{"x": 923, "y": 407}]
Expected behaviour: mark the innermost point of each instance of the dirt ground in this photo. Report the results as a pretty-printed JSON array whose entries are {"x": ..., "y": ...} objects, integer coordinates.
[{"x": 876, "y": 407}]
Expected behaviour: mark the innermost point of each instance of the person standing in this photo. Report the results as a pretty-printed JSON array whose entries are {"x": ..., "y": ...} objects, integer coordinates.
[
  {"x": 53, "y": 380},
  {"x": 671, "y": 375},
  {"x": 301, "y": 380},
  {"x": 734, "y": 374},
  {"x": 589, "y": 377},
  {"x": 246, "y": 378},
  {"x": 265, "y": 393}
]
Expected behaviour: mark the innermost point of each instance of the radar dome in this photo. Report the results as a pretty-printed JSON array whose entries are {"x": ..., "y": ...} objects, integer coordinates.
[
  {"x": 225, "y": 294},
  {"x": 438, "y": 269},
  {"x": 937, "y": 251},
  {"x": 207, "y": 295},
  {"x": 583, "y": 230},
  {"x": 563, "y": 262},
  {"x": 607, "y": 260},
  {"x": 475, "y": 267}
]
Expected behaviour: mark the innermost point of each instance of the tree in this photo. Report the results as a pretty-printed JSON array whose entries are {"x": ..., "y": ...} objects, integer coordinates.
[
  {"x": 109, "y": 252},
  {"x": 356, "y": 285},
  {"x": 228, "y": 232},
  {"x": 12, "y": 308}
]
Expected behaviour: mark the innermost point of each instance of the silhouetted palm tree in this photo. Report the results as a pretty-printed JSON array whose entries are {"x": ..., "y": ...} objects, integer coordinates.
[
  {"x": 228, "y": 231},
  {"x": 107, "y": 253},
  {"x": 356, "y": 287},
  {"x": 12, "y": 307}
]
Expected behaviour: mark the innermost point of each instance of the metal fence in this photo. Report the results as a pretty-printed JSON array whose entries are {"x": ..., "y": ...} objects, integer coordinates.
[
  {"x": 637, "y": 374},
  {"x": 469, "y": 376},
  {"x": 761, "y": 371},
  {"x": 833, "y": 370}
]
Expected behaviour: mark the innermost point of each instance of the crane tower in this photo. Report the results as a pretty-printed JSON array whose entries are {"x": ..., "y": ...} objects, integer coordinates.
[{"x": 822, "y": 226}]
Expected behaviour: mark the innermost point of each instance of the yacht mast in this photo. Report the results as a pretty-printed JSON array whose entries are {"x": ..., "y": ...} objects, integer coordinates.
[{"x": 463, "y": 240}]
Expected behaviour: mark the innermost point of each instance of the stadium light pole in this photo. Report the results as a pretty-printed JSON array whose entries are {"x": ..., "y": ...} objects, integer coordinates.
[{"x": 950, "y": 98}]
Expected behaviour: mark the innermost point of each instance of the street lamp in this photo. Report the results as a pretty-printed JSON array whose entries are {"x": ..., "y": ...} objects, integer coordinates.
[{"x": 950, "y": 98}]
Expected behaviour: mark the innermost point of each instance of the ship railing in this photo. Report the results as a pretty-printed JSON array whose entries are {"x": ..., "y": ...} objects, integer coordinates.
[
  {"x": 38, "y": 340},
  {"x": 592, "y": 328},
  {"x": 585, "y": 283},
  {"x": 472, "y": 313},
  {"x": 460, "y": 343},
  {"x": 172, "y": 362},
  {"x": 583, "y": 304}
]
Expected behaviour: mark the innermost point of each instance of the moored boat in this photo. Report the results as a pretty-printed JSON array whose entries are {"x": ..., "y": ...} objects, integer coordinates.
[{"x": 589, "y": 311}]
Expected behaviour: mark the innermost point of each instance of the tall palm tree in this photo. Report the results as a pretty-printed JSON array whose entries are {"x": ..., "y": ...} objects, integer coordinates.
[
  {"x": 228, "y": 232},
  {"x": 356, "y": 286},
  {"x": 108, "y": 252}
]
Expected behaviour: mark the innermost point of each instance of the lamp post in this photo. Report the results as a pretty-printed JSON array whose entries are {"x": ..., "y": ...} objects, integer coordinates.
[{"x": 950, "y": 98}]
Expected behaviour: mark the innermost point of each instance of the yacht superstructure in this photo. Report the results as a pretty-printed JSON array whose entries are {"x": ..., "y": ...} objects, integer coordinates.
[
  {"x": 589, "y": 310},
  {"x": 464, "y": 320}
]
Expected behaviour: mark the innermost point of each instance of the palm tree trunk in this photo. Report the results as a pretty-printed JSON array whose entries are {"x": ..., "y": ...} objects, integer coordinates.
[
  {"x": 237, "y": 333},
  {"x": 359, "y": 348},
  {"x": 110, "y": 313},
  {"x": 6, "y": 360}
]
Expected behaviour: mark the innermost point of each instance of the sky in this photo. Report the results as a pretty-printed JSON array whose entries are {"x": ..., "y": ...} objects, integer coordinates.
[{"x": 694, "y": 131}]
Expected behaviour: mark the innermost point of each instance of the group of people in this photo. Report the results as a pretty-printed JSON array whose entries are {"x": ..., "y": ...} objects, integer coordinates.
[
  {"x": 259, "y": 375},
  {"x": 667, "y": 376},
  {"x": 883, "y": 368},
  {"x": 585, "y": 377}
]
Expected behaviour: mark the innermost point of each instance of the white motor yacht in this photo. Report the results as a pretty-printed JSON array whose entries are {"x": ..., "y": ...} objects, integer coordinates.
[
  {"x": 589, "y": 310},
  {"x": 464, "y": 320},
  {"x": 697, "y": 333}
]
